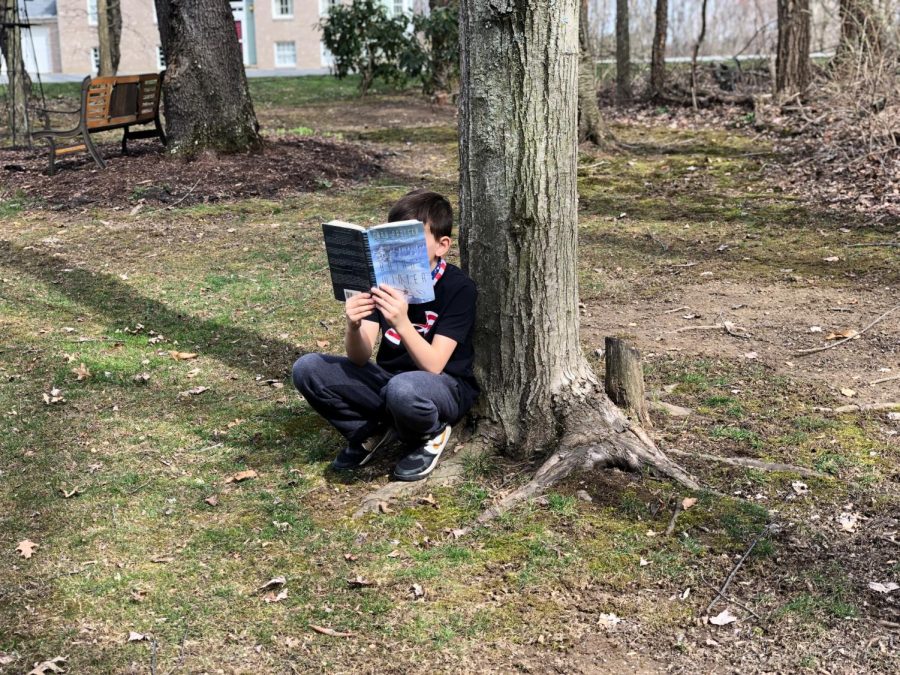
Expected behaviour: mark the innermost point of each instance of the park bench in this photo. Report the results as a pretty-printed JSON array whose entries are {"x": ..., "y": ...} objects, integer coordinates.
[{"x": 117, "y": 102}]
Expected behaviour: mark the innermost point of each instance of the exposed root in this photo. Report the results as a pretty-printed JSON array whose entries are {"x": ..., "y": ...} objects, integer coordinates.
[
  {"x": 598, "y": 437},
  {"x": 752, "y": 463}
]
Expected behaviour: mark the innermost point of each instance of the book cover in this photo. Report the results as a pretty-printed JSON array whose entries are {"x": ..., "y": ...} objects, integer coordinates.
[{"x": 393, "y": 254}]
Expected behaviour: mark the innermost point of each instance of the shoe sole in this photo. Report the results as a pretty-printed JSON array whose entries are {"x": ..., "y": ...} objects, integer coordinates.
[
  {"x": 388, "y": 438},
  {"x": 409, "y": 478}
]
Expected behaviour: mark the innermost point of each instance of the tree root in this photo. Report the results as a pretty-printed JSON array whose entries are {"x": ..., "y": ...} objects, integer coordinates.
[
  {"x": 751, "y": 463},
  {"x": 597, "y": 435}
]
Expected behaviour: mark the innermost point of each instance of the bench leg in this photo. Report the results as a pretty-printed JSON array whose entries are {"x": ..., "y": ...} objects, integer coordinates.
[
  {"x": 125, "y": 142},
  {"x": 93, "y": 150},
  {"x": 52, "y": 168}
]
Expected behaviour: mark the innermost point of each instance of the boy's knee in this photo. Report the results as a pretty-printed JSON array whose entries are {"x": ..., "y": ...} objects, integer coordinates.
[
  {"x": 305, "y": 368},
  {"x": 402, "y": 391}
]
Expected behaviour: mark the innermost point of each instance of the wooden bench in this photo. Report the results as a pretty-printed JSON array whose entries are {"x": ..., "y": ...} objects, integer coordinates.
[{"x": 117, "y": 102}]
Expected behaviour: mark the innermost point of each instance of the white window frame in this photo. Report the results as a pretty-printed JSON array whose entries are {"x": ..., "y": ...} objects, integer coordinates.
[
  {"x": 160, "y": 58},
  {"x": 276, "y": 10},
  {"x": 94, "y": 55},
  {"x": 93, "y": 15},
  {"x": 326, "y": 5},
  {"x": 286, "y": 65}
]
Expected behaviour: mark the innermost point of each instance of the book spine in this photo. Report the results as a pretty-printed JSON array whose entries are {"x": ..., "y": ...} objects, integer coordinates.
[{"x": 370, "y": 264}]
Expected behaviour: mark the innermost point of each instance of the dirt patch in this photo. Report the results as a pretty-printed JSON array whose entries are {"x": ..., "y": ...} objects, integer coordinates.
[{"x": 285, "y": 166}]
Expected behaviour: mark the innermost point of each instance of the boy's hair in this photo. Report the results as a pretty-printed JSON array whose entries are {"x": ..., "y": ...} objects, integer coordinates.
[{"x": 431, "y": 208}]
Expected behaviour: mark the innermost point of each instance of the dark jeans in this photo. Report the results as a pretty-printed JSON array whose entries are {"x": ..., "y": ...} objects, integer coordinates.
[{"x": 356, "y": 400}]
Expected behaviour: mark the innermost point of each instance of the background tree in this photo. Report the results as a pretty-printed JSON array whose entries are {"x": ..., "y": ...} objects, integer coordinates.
[
  {"x": 590, "y": 124},
  {"x": 658, "y": 50},
  {"x": 792, "y": 66},
  {"x": 109, "y": 34},
  {"x": 862, "y": 30},
  {"x": 207, "y": 100},
  {"x": 19, "y": 88},
  {"x": 623, "y": 53},
  {"x": 519, "y": 242}
]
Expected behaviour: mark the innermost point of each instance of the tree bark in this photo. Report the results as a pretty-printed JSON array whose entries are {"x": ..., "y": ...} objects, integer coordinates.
[
  {"x": 862, "y": 31},
  {"x": 207, "y": 101},
  {"x": 658, "y": 50},
  {"x": 590, "y": 123},
  {"x": 114, "y": 21},
  {"x": 792, "y": 66},
  {"x": 624, "y": 381},
  {"x": 623, "y": 53},
  {"x": 696, "y": 53},
  {"x": 103, "y": 37},
  {"x": 19, "y": 87},
  {"x": 518, "y": 239}
]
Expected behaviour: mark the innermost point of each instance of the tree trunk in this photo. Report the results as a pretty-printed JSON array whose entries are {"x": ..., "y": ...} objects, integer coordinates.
[
  {"x": 590, "y": 124},
  {"x": 19, "y": 86},
  {"x": 624, "y": 382},
  {"x": 114, "y": 21},
  {"x": 792, "y": 66},
  {"x": 696, "y": 53},
  {"x": 207, "y": 101},
  {"x": 518, "y": 240},
  {"x": 658, "y": 50},
  {"x": 623, "y": 53},
  {"x": 862, "y": 31},
  {"x": 103, "y": 35}
]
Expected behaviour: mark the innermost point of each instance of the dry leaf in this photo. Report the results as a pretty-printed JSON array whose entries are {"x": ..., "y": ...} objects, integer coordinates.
[
  {"x": 394, "y": 554},
  {"x": 799, "y": 487},
  {"x": 196, "y": 391},
  {"x": 429, "y": 500},
  {"x": 351, "y": 557},
  {"x": 848, "y": 521},
  {"x": 417, "y": 592},
  {"x": 138, "y": 595},
  {"x": 141, "y": 378},
  {"x": 71, "y": 493},
  {"x": 54, "y": 665},
  {"x": 273, "y": 583},
  {"x": 162, "y": 559},
  {"x": 849, "y": 393},
  {"x": 6, "y": 659},
  {"x": 751, "y": 355},
  {"x": 723, "y": 619},
  {"x": 831, "y": 258},
  {"x": 182, "y": 356},
  {"x": 55, "y": 396},
  {"x": 322, "y": 344},
  {"x": 846, "y": 333},
  {"x": 686, "y": 593},
  {"x": 883, "y": 588},
  {"x": 460, "y": 532},
  {"x": 26, "y": 548},
  {"x": 212, "y": 500},
  {"x": 330, "y": 631},
  {"x": 359, "y": 582},
  {"x": 688, "y": 502},
  {"x": 242, "y": 476},
  {"x": 384, "y": 508},
  {"x": 608, "y": 620},
  {"x": 136, "y": 637},
  {"x": 191, "y": 374},
  {"x": 644, "y": 562},
  {"x": 81, "y": 372},
  {"x": 272, "y": 597}
]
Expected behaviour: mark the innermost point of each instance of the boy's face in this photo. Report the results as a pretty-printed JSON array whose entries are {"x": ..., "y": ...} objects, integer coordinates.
[{"x": 437, "y": 248}]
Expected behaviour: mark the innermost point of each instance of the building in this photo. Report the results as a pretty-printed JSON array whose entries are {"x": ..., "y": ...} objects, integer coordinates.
[{"x": 274, "y": 35}]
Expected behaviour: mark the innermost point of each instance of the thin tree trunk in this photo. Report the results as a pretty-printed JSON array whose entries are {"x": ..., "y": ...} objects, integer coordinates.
[
  {"x": 103, "y": 35},
  {"x": 114, "y": 21},
  {"x": 862, "y": 31},
  {"x": 207, "y": 101},
  {"x": 19, "y": 87},
  {"x": 623, "y": 53},
  {"x": 658, "y": 50},
  {"x": 590, "y": 123},
  {"x": 792, "y": 66},
  {"x": 696, "y": 52}
]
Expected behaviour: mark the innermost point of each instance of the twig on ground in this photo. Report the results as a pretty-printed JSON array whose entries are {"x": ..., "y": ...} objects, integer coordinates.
[
  {"x": 750, "y": 463},
  {"x": 730, "y": 599},
  {"x": 687, "y": 264},
  {"x": 685, "y": 329},
  {"x": 671, "y": 528},
  {"x": 727, "y": 326},
  {"x": 878, "y": 243},
  {"x": 180, "y": 652},
  {"x": 720, "y": 592},
  {"x": 677, "y": 309},
  {"x": 804, "y": 352},
  {"x": 186, "y": 194},
  {"x": 881, "y": 380},
  {"x": 153, "y": 647},
  {"x": 138, "y": 488},
  {"x": 863, "y": 407}
]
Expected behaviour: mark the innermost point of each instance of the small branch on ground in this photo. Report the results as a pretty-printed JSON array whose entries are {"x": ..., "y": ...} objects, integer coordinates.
[
  {"x": 804, "y": 352},
  {"x": 893, "y": 244},
  {"x": 730, "y": 599},
  {"x": 720, "y": 592},
  {"x": 750, "y": 463},
  {"x": 670, "y": 530},
  {"x": 863, "y": 407},
  {"x": 881, "y": 380}
]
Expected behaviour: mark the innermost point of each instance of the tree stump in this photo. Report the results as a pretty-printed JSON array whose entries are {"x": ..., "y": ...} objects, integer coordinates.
[{"x": 625, "y": 379}]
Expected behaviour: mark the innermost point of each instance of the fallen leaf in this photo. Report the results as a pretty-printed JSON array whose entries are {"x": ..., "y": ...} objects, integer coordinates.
[
  {"x": 81, "y": 372},
  {"x": 883, "y": 588},
  {"x": 330, "y": 631},
  {"x": 54, "y": 665},
  {"x": 272, "y": 597},
  {"x": 212, "y": 500},
  {"x": 6, "y": 659},
  {"x": 26, "y": 548},
  {"x": 686, "y": 593},
  {"x": 846, "y": 333},
  {"x": 651, "y": 533},
  {"x": 848, "y": 521},
  {"x": 723, "y": 619},
  {"x": 141, "y": 378},
  {"x": 429, "y": 500},
  {"x": 182, "y": 356},
  {"x": 136, "y": 637},
  {"x": 138, "y": 595},
  {"x": 831, "y": 258},
  {"x": 459, "y": 532},
  {"x": 191, "y": 374},
  {"x": 242, "y": 476},
  {"x": 394, "y": 554},
  {"x": 196, "y": 391},
  {"x": 70, "y": 493},
  {"x": 815, "y": 329},
  {"x": 417, "y": 591},
  {"x": 55, "y": 396},
  {"x": 384, "y": 508},
  {"x": 849, "y": 393},
  {"x": 160, "y": 559},
  {"x": 799, "y": 487},
  {"x": 359, "y": 582},
  {"x": 608, "y": 620},
  {"x": 751, "y": 355},
  {"x": 273, "y": 583},
  {"x": 322, "y": 344},
  {"x": 644, "y": 562},
  {"x": 688, "y": 502}
]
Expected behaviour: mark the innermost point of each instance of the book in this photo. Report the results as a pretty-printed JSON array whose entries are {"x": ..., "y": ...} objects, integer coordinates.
[{"x": 394, "y": 254}]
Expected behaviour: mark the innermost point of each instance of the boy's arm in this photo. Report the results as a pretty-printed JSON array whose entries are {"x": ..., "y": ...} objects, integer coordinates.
[
  {"x": 359, "y": 339},
  {"x": 430, "y": 357}
]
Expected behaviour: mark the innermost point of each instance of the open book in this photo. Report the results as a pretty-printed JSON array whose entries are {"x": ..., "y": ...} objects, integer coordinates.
[{"x": 393, "y": 254}]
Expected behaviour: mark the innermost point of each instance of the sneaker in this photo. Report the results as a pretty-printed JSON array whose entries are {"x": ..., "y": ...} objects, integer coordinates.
[
  {"x": 421, "y": 461},
  {"x": 353, "y": 457}
]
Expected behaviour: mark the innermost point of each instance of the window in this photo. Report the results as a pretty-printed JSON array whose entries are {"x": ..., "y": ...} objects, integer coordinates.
[
  {"x": 92, "y": 12},
  {"x": 285, "y": 54},
  {"x": 283, "y": 9},
  {"x": 399, "y": 7},
  {"x": 160, "y": 58},
  {"x": 326, "y": 5},
  {"x": 95, "y": 60}
]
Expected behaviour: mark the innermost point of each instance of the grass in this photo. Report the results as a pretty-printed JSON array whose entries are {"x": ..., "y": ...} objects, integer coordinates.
[{"x": 140, "y": 548}]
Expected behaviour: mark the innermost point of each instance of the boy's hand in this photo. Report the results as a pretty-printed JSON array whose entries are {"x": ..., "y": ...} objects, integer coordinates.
[
  {"x": 392, "y": 304},
  {"x": 357, "y": 308}
]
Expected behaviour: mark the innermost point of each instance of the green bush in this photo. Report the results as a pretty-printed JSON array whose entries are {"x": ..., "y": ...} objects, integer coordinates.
[{"x": 434, "y": 57}]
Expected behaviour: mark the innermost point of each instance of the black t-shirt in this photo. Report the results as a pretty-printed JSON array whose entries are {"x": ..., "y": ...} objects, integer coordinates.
[{"x": 452, "y": 314}]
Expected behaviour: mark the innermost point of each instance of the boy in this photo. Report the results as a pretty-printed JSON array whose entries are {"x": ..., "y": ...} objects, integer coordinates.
[{"x": 422, "y": 381}]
